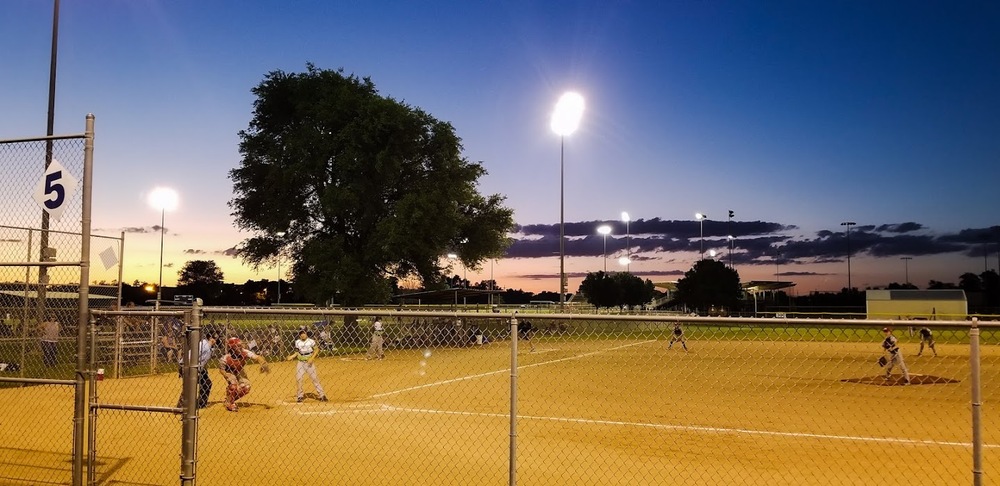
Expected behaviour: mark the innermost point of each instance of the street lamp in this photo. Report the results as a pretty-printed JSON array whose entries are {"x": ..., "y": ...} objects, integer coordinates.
[
  {"x": 906, "y": 268},
  {"x": 848, "y": 224},
  {"x": 164, "y": 199},
  {"x": 628, "y": 240},
  {"x": 280, "y": 234},
  {"x": 565, "y": 121},
  {"x": 777, "y": 262},
  {"x": 605, "y": 230},
  {"x": 702, "y": 217}
]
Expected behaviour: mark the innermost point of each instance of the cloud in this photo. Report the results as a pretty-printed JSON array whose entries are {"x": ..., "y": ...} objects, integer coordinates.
[
  {"x": 754, "y": 243},
  {"x": 231, "y": 252},
  {"x": 899, "y": 228},
  {"x": 191, "y": 251},
  {"x": 133, "y": 229}
]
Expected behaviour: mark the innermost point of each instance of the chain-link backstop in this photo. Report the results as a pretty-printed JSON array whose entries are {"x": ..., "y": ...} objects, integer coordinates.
[{"x": 450, "y": 398}]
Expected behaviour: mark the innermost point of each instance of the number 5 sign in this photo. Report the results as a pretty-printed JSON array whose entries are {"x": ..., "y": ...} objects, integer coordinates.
[{"x": 55, "y": 189}]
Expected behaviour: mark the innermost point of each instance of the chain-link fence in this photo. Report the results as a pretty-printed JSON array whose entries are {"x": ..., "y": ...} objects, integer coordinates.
[
  {"x": 44, "y": 303},
  {"x": 428, "y": 398}
]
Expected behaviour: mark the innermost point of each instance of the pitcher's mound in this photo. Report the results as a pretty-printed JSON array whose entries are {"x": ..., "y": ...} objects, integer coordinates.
[{"x": 897, "y": 380}]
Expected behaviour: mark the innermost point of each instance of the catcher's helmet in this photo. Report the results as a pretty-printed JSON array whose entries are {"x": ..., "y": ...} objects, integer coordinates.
[
  {"x": 886, "y": 329},
  {"x": 234, "y": 343}
]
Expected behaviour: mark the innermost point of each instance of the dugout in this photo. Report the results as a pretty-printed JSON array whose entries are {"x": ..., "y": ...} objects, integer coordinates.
[{"x": 949, "y": 304}]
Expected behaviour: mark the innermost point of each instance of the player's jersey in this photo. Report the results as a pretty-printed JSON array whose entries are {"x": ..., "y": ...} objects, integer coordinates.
[
  {"x": 890, "y": 344},
  {"x": 235, "y": 360},
  {"x": 677, "y": 330},
  {"x": 925, "y": 333},
  {"x": 305, "y": 348}
]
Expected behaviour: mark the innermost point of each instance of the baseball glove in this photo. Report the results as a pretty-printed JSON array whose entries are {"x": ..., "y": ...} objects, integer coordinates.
[
  {"x": 882, "y": 361},
  {"x": 264, "y": 368}
]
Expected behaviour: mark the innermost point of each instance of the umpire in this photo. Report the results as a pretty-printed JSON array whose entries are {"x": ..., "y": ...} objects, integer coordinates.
[{"x": 204, "y": 381}]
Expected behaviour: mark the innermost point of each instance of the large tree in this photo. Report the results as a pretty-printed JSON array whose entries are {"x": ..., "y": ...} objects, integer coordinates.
[
  {"x": 357, "y": 189},
  {"x": 201, "y": 278},
  {"x": 616, "y": 289},
  {"x": 709, "y": 283}
]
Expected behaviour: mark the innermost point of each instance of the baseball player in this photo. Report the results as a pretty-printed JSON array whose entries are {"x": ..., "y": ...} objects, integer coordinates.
[
  {"x": 375, "y": 351},
  {"x": 306, "y": 351},
  {"x": 891, "y": 345},
  {"x": 232, "y": 366},
  {"x": 926, "y": 336},
  {"x": 678, "y": 336},
  {"x": 526, "y": 331}
]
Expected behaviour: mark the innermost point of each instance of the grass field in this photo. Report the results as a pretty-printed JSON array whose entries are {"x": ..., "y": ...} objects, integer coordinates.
[{"x": 609, "y": 409}]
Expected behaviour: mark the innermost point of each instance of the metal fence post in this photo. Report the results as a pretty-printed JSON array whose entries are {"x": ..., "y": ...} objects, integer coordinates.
[
  {"x": 83, "y": 370},
  {"x": 92, "y": 422},
  {"x": 512, "y": 457},
  {"x": 977, "y": 426},
  {"x": 189, "y": 431}
]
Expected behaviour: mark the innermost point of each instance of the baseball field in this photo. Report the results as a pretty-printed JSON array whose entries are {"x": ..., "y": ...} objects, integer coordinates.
[{"x": 602, "y": 410}]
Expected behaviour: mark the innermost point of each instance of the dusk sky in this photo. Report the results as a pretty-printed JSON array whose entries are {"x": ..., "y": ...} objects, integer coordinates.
[{"x": 795, "y": 115}]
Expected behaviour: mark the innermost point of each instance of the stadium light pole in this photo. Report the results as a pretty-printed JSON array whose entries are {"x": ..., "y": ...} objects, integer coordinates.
[
  {"x": 565, "y": 120},
  {"x": 848, "y": 224},
  {"x": 729, "y": 228},
  {"x": 732, "y": 245},
  {"x": 702, "y": 217},
  {"x": 164, "y": 199},
  {"x": 280, "y": 234},
  {"x": 628, "y": 239},
  {"x": 605, "y": 230},
  {"x": 777, "y": 262},
  {"x": 906, "y": 268}
]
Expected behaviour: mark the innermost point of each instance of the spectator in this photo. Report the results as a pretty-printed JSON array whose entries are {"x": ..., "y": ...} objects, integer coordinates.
[{"x": 50, "y": 337}]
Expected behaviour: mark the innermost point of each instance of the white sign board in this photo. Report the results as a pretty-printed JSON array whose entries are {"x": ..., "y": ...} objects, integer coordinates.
[{"x": 55, "y": 189}]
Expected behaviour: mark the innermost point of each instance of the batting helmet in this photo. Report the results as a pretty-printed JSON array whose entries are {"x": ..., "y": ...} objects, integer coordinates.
[{"x": 234, "y": 343}]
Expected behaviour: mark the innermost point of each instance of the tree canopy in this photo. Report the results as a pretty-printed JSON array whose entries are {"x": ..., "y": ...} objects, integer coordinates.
[
  {"x": 709, "y": 283},
  {"x": 201, "y": 278},
  {"x": 357, "y": 189},
  {"x": 616, "y": 289}
]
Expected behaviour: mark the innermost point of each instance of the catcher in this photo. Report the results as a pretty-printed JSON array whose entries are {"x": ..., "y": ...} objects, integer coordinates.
[
  {"x": 895, "y": 357},
  {"x": 232, "y": 367}
]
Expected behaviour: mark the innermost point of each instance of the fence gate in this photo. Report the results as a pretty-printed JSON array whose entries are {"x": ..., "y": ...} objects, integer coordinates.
[{"x": 44, "y": 301}]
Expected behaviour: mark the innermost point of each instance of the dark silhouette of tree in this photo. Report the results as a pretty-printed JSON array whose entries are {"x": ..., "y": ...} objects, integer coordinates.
[
  {"x": 616, "y": 289},
  {"x": 601, "y": 290},
  {"x": 362, "y": 187},
  {"x": 970, "y": 282},
  {"x": 901, "y": 286},
  {"x": 936, "y": 285},
  {"x": 202, "y": 279},
  {"x": 709, "y": 283},
  {"x": 991, "y": 288}
]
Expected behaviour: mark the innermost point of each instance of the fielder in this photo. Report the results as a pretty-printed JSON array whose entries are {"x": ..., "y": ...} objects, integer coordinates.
[
  {"x": 678, "y": 336},
  {"x": 306, "y": 351},
  {"x": 891, "y": 345},
  {"x": 926, "y": 337},
  {"x": 376, "y": 351},
  {"x": 232, "y": 367},
  {"x": 526, "y": 331}
]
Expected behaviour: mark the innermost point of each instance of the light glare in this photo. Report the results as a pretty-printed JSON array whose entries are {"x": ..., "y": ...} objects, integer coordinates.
[
  {"x": 163, "y": 198},
  {"x": 567, "y": 115}
]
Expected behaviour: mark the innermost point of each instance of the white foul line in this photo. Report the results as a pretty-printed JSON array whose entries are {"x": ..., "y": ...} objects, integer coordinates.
[
  {"x": 697, "y": 428},
  {"x": 507, "y": 370}
]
